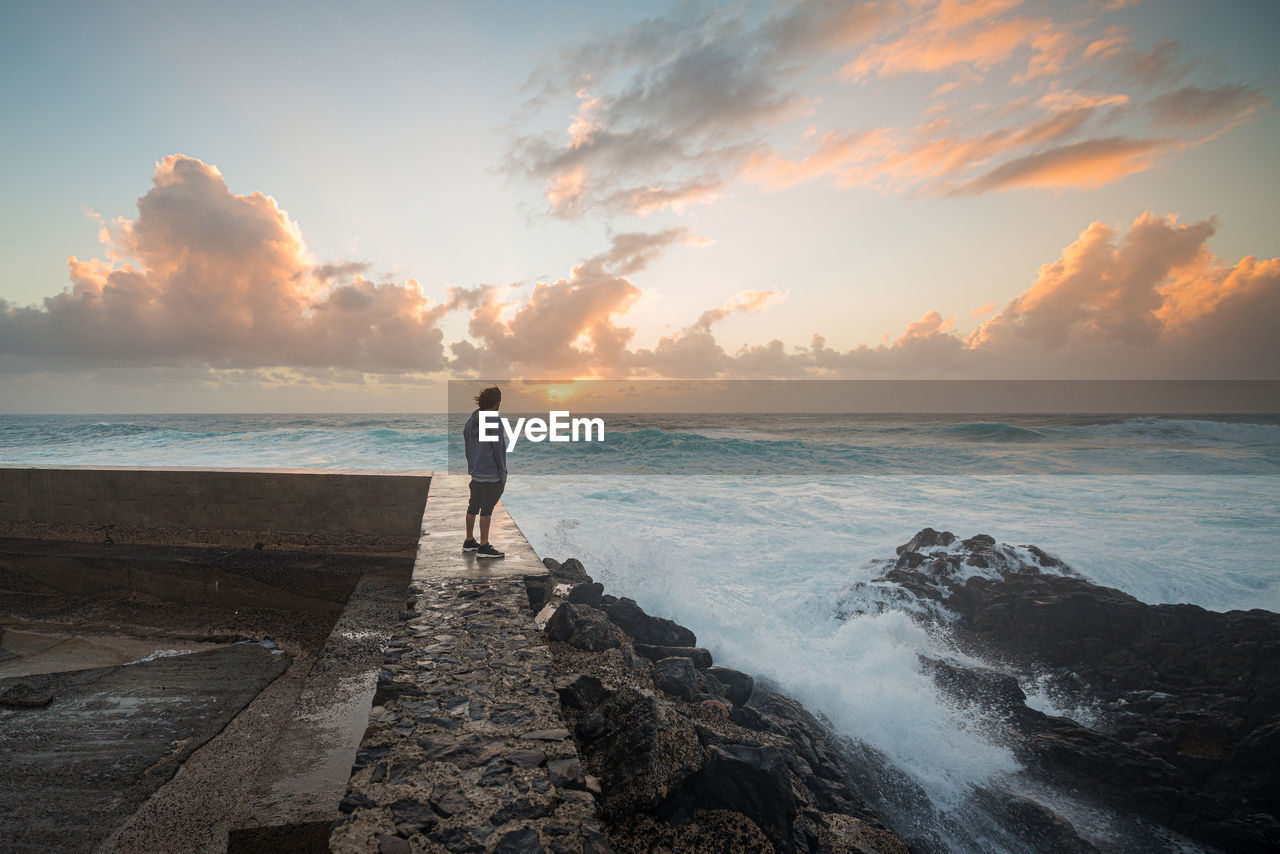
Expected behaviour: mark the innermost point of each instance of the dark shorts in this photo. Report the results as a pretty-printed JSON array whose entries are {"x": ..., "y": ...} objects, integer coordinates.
[{"x": 484, "y": 496}]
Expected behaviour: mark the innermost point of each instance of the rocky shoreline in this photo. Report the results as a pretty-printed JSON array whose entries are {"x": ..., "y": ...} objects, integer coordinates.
[
  {"x": 685, "y": 755},
  {"x": 1179, "y": 727},
  {"x": 1166, "y": 736}
]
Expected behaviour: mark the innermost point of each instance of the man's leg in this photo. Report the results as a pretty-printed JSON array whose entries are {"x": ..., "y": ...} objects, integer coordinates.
[
  {"x": 473, "y": 508},
  {"x": 484, "y": 529}
]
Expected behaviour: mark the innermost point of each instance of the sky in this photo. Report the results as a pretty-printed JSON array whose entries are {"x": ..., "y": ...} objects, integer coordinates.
[{"x": 325, "y": 207}]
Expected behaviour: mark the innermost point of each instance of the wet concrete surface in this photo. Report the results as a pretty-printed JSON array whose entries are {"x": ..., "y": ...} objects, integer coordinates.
[
  {"x": 109, "y": 737},
  {"x": 254, "y": 747},
  {"x": 34, "y": 651}
]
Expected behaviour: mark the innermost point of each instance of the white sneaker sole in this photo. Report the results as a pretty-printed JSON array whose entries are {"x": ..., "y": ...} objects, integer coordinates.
[{"x": 479, "y": 555}]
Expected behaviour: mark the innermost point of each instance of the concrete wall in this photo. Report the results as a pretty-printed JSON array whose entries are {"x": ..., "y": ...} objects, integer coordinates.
[{"x": 269, "y": 500}]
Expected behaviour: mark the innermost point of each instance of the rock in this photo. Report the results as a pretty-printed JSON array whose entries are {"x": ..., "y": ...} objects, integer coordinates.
[
  {"x": 639, "y": 750},
  {"x": 572, "y": 571},
  {"x": 587, "y": 593},
  {"x": 449, "y": 803},
  {"x": 715, "y": 708},
  {"x": 927, "y": 539},
  {"x": 583, "y": 627},
  {"x": 355, "y": 801},
  {"x": 526, "y": 758},
  {"x": 676, "y": 676},
  {"x": 410, "y": 817},
  {"x": 632, "y": 619},
  {"x": 750, "y": 779},
  {"x": 738, "y": 685},
  {"x": 461, "y": 751},
  {"x": 522, "y": 809},
  {"x": 972, "y": 684},
  {"x": 547, "y": 734},
  {"x": 745, "y": 716},
  {"x": 522, "y": 841},
  {"x": 1039, "y": 827},
  {"x": 460, "y": 839},
  {"x": 539, "y": 588},
  {"x": 700, "y": 657},
  {"x": 582, "y": 692},
  {"x": 566, "y": 774},
  {"x": 393, "y": 845}
]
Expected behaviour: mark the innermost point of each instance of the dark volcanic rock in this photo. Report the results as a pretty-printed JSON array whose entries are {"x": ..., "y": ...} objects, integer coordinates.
[
  {"x": 700, "y": 657},
  {"x": 659, "y": 631},
  {"x": 582, "y": 692},
  {"x": 927, "y": 538},
  {"x": 566, "y": 774},
  {"x": 676, "y": 676},
  {"x": 539, "y": 588},
  {"x": 584, "y": 627},
  {"x": 737, "y": 685},
  {"x": 587, "y": 593},
  {"x": 522, "y": 841},
  {"x": 751, "y": 779},
  {"x": 639, "y": 749}
]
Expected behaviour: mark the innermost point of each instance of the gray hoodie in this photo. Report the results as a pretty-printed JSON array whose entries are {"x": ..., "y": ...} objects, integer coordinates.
[{"x": 486, "y": 461}]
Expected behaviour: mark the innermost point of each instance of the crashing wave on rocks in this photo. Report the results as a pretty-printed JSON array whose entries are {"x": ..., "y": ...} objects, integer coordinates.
[
  {"x": 1127, "y": 726},
  {"x": 1155, "y": 727}
]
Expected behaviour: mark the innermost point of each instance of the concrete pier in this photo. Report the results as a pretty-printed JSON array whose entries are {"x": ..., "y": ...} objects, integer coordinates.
[
  {"x": 397, "y": 697},
  {"x": 466, "y": 749},
  {"x": 247, "y": 747}
]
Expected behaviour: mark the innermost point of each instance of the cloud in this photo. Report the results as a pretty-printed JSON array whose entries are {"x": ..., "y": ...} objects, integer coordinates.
[
  {"x": 1162, "y": 65},
  {"x": 694, "y": 352},
  {"x": 1088, "y": 163},
  {"x": 568, "y": 327},
  {"x": 1149, "y": 302},
  {"x": 207, "y": 276},
  {"x": 207, "y": 279},
  {"x": 674, "y": 111},
  {"x": 669, "y": 109},
  {"x": 1192, "y": 105},
  {"x": 973, "y": 34}
]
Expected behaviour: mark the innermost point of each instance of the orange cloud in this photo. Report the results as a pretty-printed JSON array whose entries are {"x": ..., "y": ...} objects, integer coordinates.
[
  {"x": 568, "y": 327},
  {"x": 666, "y": 128},
  {"x": 953, "y": 33},
  {"x": 1149, "y": 302},
  {"x": 833, "y": 154},
  {"x": 204, "y": 275},
  {"x": 1089, "y": 163}
]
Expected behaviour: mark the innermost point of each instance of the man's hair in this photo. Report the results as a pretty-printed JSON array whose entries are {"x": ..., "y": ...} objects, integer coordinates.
[{"x": 489, "y": 398}]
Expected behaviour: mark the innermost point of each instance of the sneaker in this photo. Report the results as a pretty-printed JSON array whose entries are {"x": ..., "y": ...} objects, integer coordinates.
[
  {"x": 470, "y": 545},
  {"x": 487, "y": 550}
]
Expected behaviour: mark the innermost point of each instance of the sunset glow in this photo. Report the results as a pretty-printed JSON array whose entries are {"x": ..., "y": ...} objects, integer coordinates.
[{"x": 981, "y": 189}]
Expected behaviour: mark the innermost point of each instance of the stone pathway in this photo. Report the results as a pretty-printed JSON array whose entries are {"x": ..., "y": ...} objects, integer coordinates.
[{"x": 466, "y": 749}]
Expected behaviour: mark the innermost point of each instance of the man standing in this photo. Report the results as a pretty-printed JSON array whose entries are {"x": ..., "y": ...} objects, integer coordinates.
[{"x": 487, "y": 465}]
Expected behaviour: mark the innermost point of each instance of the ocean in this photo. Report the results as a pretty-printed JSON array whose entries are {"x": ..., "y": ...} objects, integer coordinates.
[{"x": 691, "y": 517}]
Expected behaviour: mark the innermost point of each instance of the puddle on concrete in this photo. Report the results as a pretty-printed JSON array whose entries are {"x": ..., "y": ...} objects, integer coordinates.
[
  {"x": 39, "y": 651},
  {"x": 332, "y": 750}
]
